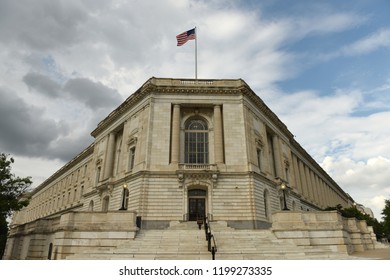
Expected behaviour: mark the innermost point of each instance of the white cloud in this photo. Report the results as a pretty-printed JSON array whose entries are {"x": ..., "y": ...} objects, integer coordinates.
[
  {"x": 368, "y": 44},
  {"x": 326, "y": 23},
  {"x": 363, "y": 46},
  {"x": 366, "y": 181},
  {"x": 352, "y": 148},
  {"x": 38, "y": 168}
]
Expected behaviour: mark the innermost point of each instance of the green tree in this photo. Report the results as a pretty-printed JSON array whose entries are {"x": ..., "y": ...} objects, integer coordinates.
[
  {"x": 353, "y": 212},
  {"x": 11, "y": 189},
  {"x": 386, "y": 218}
]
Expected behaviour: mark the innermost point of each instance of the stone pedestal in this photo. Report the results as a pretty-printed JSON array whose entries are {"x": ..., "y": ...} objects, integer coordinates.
[
  {"x": 323, "y": 229},
  {"x": 70, "y": 234}
]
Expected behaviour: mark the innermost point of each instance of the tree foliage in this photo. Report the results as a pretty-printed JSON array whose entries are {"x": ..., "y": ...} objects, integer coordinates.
[
  {"x": 353, "y": 212},
  {"x": 386, "y": 217},
  {"x": 11, "y": 190}
]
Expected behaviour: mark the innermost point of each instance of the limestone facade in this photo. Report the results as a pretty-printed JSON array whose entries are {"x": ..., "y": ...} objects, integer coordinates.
[{"x": 176, "y": 150}]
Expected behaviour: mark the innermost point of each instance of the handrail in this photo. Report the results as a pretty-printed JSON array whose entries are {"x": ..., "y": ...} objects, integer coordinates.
[{"x": 209, "y": 236}]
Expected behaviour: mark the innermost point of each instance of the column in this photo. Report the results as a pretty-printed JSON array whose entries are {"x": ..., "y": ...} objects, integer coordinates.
[
  {"x": 175, "y": 143},
  {"x": 295, "y": 169},
  {"x": 309, "y": 183},
  {"x": 317, "y": 195},
  {"x": 319, "y": 190},
  {"x": 323, "y": 191},
  {"x": 110, "y": 153},
  {"x": 303, "y": 179},
  {"x": 328, "y": 198},
  {"x": 218, "y": 139}
]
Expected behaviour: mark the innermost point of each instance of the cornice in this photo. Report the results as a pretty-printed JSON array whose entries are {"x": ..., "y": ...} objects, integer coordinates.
[
  {"x": 161, "y": 86},
  {"x": 248, "y": 92},
  {"x": 308, "y": 158}
]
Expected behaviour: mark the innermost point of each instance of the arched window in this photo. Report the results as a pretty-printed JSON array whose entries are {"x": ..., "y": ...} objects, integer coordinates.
[
  {"x": 90, "y": 207},
  {"x": 196, "y": 142},
  {"x": 197, "y": 192}
]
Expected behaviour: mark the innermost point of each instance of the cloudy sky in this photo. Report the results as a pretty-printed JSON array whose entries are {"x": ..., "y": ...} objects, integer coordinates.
[{"x": 322, "y": 66}]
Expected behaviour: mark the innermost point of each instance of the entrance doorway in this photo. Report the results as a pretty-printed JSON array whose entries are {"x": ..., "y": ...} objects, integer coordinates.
[
  {"x": 196, "y": 204},
  {"x": 197, "y": 208}
]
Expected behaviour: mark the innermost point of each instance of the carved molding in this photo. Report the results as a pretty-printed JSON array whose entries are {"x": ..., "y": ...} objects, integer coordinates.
[
  {"x": 105, "y": 188},
  {"x": 99, "y": 161},
  {"x": 197, "y": 178},
  {"x": 259, "y": 141},
  {"x": 132, "y": 141}
]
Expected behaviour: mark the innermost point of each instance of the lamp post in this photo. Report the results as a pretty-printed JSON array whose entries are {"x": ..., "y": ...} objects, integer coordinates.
[
  {"x": 124, "y": 196},
  {"x": 283, "y": 187}
]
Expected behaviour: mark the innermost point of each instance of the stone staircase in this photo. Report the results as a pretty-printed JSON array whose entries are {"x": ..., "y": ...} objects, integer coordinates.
[{"x": 184, "y": 241}]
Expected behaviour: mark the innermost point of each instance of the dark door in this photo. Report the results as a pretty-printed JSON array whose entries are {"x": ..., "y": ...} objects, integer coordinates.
[{"x": 197, "y": 208}]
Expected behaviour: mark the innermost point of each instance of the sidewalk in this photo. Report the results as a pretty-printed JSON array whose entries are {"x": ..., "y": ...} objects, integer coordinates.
[{"x": 377, "y": 254}]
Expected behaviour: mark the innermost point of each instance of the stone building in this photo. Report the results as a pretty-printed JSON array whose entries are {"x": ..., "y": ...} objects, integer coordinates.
[{"x": 175, "y": 150}]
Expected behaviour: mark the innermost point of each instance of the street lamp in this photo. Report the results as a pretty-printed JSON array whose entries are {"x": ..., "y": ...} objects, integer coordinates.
[
  {"x": 283, "y": 187},
  {"x": 124, "y": 197}
]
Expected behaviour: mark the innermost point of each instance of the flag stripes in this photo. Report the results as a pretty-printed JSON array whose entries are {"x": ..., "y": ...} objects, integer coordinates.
[{"x": 185, "y": 36}]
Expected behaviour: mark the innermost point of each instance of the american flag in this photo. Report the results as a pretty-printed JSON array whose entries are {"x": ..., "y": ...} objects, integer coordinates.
[{"x": 185, "y": 36}]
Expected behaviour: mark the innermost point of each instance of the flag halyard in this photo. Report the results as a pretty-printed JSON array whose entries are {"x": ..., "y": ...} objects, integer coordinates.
[{"x": 186, "y": 36}]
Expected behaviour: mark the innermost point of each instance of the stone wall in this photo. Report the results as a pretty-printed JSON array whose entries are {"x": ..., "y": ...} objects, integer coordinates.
[
  {"x": 325, "y": 230},
  {"x": 72, "y": 233}
]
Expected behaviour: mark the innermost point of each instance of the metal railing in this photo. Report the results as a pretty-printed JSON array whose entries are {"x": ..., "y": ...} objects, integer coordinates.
[{"x": 211, "y": 243}]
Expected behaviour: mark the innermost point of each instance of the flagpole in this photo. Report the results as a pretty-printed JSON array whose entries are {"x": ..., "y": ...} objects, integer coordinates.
[{"x": 196, "y": 55}]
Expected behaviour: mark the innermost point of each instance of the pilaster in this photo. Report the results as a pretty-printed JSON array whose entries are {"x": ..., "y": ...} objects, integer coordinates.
[
  {"x": 108, "y": 168},
  {"x": 218, "y": 138},
  {"x": 175, "y": 143}
]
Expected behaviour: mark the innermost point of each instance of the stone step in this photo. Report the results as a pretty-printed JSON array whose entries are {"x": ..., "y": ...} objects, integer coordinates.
[{"x": 184, "y": 241}]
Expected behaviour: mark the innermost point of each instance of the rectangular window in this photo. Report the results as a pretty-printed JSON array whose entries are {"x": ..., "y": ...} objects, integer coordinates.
[
  {"x": 78, "y": 175},
  {"x": 271, "y": 154},
  {"x": 196, "y": 148},
  {"x": 259, "y": 158},
  {"x": 131, "y": 158}
]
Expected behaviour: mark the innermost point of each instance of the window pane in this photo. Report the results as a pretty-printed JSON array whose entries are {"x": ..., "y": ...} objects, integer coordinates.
[
  {"x": 196, "y": 142},
  {"x": 196, "y": 125},
  {"x": 200, "y": 158}
]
